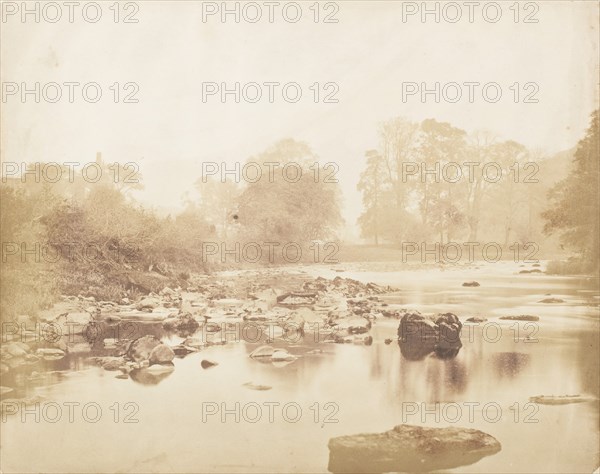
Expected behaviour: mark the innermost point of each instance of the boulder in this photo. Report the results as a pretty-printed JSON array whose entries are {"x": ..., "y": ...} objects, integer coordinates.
[
  {"x": 471, "y": 284},
  {"x": 181, "y": 322},
  {"x": 207, "y": 364},
  {"x": 420, "y": 335},
  {"x": 415, "y": 325},
  {"x": 141, "y": 348},
  {"x": 408, "y": 448},
  {"x": 161, "y": 354},
  {"x": 147, "y": 304},
  {"x": 449, "y": 326}
]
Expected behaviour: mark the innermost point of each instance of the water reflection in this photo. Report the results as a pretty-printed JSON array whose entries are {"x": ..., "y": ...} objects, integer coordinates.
[
  {"x": 151, "y": 375},
  {"x": 417, "y": 350},
  {"x": 510, "y": 364}
]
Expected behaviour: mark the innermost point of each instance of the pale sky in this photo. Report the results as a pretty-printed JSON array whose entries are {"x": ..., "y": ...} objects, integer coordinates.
[{"x": 369, "y": 53}]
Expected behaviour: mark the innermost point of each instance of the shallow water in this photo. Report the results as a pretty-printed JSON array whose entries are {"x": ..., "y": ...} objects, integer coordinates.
[{"x": 345, "y": 389}]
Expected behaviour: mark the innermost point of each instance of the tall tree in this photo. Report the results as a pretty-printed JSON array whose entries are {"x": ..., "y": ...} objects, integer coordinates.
[
  {"x": 574, "y": 200},
  {"x": 440, "y": 144},
  {"x": 398, "y": 145},
  {"x": 478, "y": 151},
  {"x": 377, "y": 196},
  {"x": 509, "y": 196}
]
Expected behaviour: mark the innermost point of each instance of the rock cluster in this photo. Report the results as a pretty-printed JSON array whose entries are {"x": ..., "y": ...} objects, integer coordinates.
[{"x": 420, "y": 335}]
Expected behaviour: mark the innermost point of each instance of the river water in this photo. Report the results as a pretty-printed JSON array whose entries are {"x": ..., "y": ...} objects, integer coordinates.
[{"x": 185, "y": 420}]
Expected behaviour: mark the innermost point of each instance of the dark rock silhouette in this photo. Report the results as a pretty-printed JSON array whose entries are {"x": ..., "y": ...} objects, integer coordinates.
[
  {"x": 207, "y": 364},
  {"x": 420, "y": 335}
]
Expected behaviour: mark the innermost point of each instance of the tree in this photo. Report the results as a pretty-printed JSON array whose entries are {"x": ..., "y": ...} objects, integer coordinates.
[
  {"x": 439, "y": 199},
  {"x": 478, "y": 151},
  {"x": 398, "y": 143},
  {"x": 378, "y": 198},
  {"x": 299, "y": 206},
  {"x": 574, "y": 200},
  {"x": 508, "y": 196}
]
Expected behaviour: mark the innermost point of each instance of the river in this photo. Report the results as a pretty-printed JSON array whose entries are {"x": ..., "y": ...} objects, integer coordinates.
[{"x": 185, "y": 421}]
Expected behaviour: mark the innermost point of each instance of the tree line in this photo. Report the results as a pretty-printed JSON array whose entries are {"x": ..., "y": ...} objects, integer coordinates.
[
  {"x": 434, "y": 182},
  {"x": 409, "y": 186}
]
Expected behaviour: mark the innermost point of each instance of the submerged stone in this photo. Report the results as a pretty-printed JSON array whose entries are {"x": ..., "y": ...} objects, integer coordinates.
[
  {"x": 408, "y": 448},
  {"x": 558, "y": 399},
  {"x": 522, "y": 317}
]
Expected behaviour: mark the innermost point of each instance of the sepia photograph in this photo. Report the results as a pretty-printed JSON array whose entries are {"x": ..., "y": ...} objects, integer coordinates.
[{"x": 312, "y": 236}]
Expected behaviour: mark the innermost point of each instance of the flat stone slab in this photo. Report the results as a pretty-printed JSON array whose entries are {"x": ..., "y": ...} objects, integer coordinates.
[
  {"x": 160, "y": 315},
  {"x": 409, "y": 448},
  {"x": 558, "y": 399},
  {"x": 522, "y": 317}
]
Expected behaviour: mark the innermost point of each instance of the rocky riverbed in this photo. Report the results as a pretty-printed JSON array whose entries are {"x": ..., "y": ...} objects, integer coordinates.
[{"x": 214, "y": 311}]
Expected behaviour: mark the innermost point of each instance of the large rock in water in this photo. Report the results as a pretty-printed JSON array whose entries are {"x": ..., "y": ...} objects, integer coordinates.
[
  {"x": 442, "y": 327},
  {"x": 141, "y": 348},
  {"x": 409, "y": 448},
  {"x": 182, "y": 322},
  {"x": 415, "y": 325},
  {"x": 161, "y": 354},
  {"x": 419, "y": 335}
]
